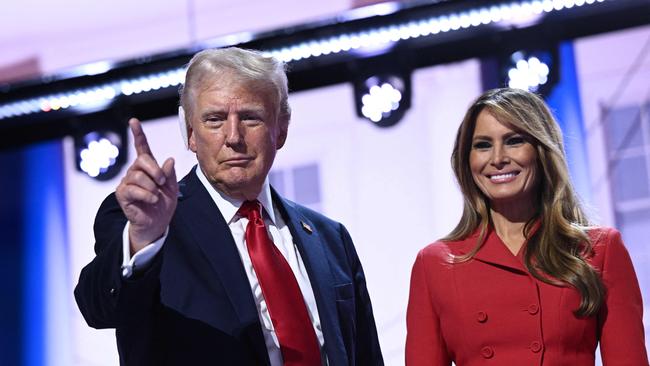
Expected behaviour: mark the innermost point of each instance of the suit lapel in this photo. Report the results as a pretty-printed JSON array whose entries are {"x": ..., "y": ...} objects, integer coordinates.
[
  {"x": 311, "y": 247},
  {"x": 212, "y": 234}
]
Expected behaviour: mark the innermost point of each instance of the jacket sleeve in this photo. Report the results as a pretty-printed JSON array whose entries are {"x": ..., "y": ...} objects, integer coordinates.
[
  {"x": 424, "y": 342},
  {"x": 368, "y": 351},
  {"x": 105, "y": 299},
  {"x": 621, "y": 317}
]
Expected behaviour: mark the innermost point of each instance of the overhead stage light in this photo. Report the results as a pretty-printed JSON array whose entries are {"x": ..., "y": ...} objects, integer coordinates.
[
  {"x": 100, "y": 154},
  {"x": 100, "y": 143},
  {"x": 383, "y": 99},
  {"x": 532, "y": 70}
]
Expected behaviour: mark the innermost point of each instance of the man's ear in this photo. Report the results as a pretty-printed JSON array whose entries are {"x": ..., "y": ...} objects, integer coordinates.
[
  {"x": 283, "y": 130},
  {"x": 182, "y": 123},
  {"x": 191, "y": 142}
]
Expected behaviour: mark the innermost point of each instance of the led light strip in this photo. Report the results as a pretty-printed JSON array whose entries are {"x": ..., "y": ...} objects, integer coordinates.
[
  {"x": 93, "y": 96},
  {"x": 425, "y": 27},
  {"x": 375, "y": 37}
]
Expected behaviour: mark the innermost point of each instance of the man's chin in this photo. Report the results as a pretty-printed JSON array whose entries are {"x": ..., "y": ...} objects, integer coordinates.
[{"x": 240, "y": 186}]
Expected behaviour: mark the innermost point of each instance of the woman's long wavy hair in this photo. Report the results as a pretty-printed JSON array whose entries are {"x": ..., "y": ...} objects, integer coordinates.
[{"x": 555, "y": 253}]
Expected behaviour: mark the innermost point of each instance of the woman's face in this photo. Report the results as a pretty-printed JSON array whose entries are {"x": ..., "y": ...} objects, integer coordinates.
[{"x": 503, "y": 162}]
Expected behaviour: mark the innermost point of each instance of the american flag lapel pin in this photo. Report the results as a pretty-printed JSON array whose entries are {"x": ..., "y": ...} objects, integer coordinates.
[{"x": 306, "y": 227}]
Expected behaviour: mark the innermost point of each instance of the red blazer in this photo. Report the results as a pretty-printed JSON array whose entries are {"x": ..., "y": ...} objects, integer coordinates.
[{"x": 491, "y": 311}]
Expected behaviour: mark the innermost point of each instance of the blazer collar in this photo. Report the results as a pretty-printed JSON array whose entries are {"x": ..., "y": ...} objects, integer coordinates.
[
  {"x": 311, "y": 246},
  {"x": 206, "y": 224},
  {"x": 229, "y": 206},
  {"x": 494, "y": 251}
]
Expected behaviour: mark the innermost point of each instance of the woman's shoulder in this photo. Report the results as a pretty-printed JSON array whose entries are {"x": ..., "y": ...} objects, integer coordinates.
[
  {"x": 437, "y": 249},
  {"x": 605, "y": 241},
  {"x": 444, "y": 251},
  {"x": 604, "y": 238},
  {"x": 602, "y": 234}
]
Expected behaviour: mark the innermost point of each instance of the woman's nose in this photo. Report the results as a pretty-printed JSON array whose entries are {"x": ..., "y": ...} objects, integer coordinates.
[{"x": 500, "y": 156}]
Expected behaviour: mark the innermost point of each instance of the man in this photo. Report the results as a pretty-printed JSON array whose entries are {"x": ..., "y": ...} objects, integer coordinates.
[{"x": 218, "y": 269}]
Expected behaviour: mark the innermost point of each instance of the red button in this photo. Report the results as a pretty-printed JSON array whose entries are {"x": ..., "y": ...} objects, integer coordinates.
[
  {"x": 533, "y": 309},
  {"x": 481, "y": 316},
  {"x": 535, "y": 346},
  {"x": 487, "y": 352}
]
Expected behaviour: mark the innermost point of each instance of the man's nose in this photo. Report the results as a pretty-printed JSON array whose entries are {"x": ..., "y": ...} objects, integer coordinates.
[{"x": 233, "y": 131}]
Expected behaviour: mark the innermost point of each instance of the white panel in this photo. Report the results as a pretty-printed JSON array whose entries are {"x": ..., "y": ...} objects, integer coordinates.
[{"x": 604, "y": 81}]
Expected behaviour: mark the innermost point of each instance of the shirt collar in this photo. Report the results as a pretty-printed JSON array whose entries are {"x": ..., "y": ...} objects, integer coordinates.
[{"x": 229, "y": 206}]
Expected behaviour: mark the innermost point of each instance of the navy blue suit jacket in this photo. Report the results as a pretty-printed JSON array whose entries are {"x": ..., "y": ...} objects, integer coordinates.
[{"x": 194, "y": 305}]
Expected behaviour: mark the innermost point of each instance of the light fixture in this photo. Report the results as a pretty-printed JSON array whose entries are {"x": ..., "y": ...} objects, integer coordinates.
[
  {"x": 383, "y": 99},
  {"x": 452, "y": 19},
  {"x": 532, "y": 70},
  {"x": 507, "y": 13},
  {"x": 101, "y": 143},
  {"x": 100, "y": 154}
]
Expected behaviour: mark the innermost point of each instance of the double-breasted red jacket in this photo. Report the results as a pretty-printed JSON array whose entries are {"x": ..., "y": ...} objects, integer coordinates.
[{"x": 492, "y": 311}]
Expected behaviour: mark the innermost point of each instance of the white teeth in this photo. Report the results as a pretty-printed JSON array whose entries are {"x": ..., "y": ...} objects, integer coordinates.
[{"x": 502, "y": 176}]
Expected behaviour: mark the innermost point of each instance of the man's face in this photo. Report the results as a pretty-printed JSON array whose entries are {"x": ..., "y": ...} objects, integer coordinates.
[{"x": 235, "y": 134}]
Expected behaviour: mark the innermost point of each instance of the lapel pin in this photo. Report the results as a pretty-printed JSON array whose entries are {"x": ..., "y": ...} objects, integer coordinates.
[{"x": 306, "y": 227}]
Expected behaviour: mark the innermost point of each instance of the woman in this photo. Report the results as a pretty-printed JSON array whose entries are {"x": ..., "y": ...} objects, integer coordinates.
[{"x": 523, "y": 279}]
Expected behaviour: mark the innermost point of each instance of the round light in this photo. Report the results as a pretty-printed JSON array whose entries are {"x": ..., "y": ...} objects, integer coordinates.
[{"x": 100, "y": 153}]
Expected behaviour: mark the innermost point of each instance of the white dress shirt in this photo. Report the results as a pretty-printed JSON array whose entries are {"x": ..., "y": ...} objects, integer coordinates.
[{"x": 281, "y": 236}]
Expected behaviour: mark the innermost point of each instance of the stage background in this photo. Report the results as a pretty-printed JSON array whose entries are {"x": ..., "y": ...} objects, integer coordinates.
[{"x": 392, "y": 188}]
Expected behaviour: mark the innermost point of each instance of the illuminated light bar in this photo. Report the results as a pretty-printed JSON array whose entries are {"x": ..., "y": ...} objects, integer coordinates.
[
  {"x": 386, "y": 35},
  {"x": 509, "y": 13},
  {"x": 93, "y": 96}
]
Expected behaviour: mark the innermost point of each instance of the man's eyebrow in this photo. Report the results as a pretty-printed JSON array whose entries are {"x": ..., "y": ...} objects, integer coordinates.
[{"x": 252, "y": 109}]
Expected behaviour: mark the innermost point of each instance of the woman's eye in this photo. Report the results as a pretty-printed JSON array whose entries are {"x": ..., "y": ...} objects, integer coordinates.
[
  {"x": 482, "y": 145},
  {"x": 516, "y": 140}
]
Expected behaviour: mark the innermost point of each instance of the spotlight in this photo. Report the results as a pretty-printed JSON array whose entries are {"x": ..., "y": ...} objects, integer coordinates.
[
  {"x": 527, "y": 73},
  {"x": 535, "y": 71},
  {"x": 100, "y": 154},
  {"x": 383, "y": 99},
  {"x": 101, "y": 144}
]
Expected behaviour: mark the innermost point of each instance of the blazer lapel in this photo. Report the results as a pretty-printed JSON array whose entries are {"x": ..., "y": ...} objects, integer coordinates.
[
  {"x": 314, "y": 256},
  {"x": 495, "y": 252},
  {"x": 212, "y": 234}
]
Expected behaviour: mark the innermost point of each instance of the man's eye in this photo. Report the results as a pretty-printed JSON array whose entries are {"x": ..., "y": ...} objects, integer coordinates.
[
  {"x": 250, "y": 117},
  {"x": 482, "y": 145},
  {"x": 214, "y": 122}
]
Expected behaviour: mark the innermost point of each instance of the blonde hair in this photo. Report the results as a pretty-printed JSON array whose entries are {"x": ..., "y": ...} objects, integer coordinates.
[
  {"x": 559, "y": 247},
  {"x": 267, "y": 74}
]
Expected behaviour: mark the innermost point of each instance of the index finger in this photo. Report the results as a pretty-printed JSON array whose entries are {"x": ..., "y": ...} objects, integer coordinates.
[{"x": 139, "y": 138}]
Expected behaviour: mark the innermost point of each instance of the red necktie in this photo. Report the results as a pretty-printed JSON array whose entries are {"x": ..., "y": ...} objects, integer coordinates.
[{"x": 298, "y": 342}]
